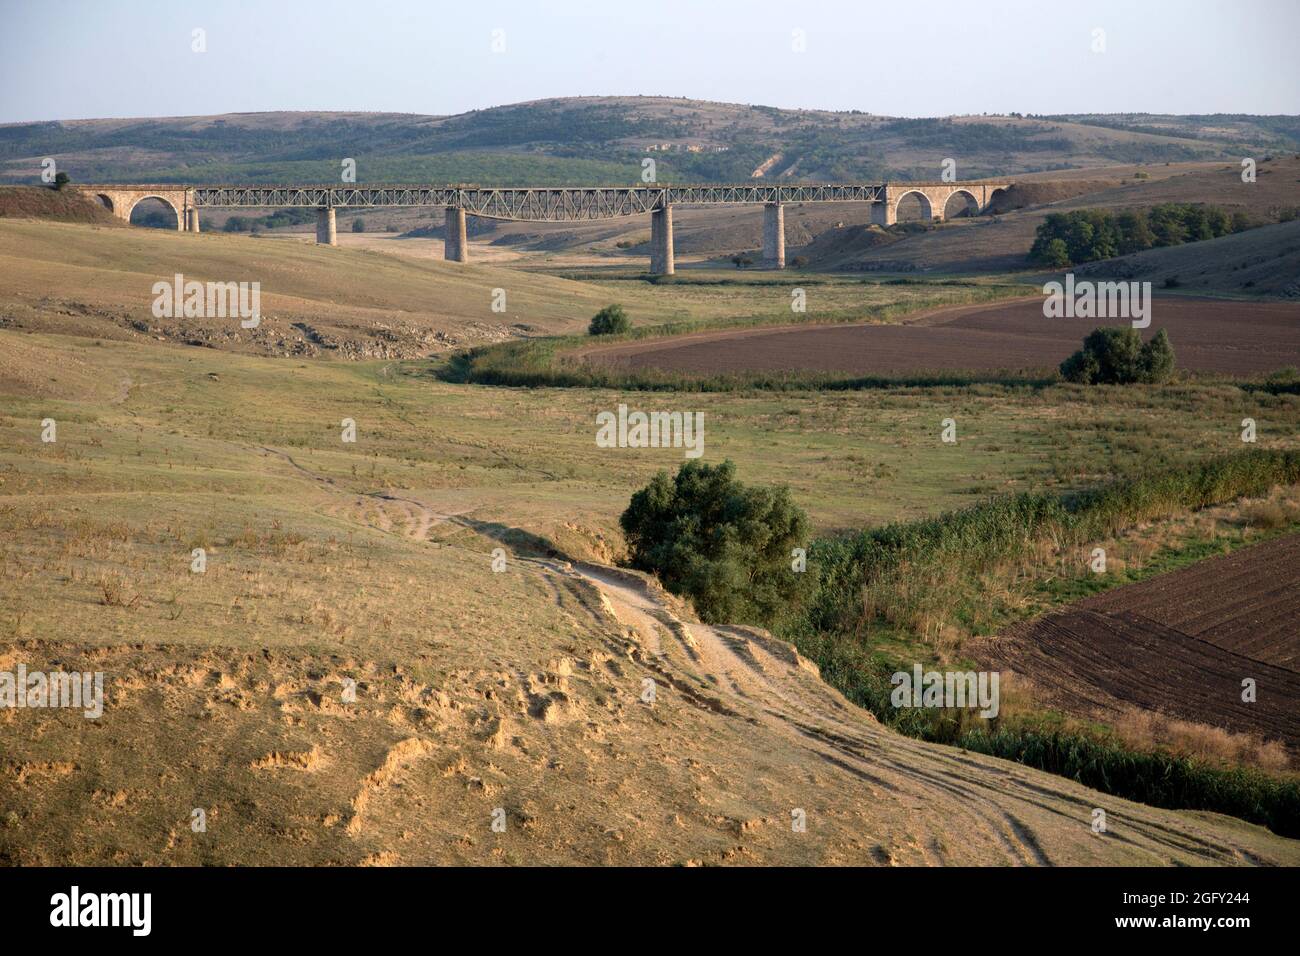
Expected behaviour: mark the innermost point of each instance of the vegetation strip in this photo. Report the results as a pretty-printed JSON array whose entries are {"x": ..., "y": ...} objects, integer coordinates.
[{"x": 871, "y": 578}]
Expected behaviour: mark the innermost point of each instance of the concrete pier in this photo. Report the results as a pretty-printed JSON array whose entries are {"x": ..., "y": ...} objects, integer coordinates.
[
  {"x": 773, "y": 236},
  {"x": 191, "y": 220},
  {"x": 326, "y": 231},
  {"x": 662, "y": 262},
  {"x": 454, "y": 247}
]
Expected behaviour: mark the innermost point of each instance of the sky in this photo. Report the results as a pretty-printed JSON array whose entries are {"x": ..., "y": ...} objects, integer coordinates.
[{"x": 80, "y": 59}]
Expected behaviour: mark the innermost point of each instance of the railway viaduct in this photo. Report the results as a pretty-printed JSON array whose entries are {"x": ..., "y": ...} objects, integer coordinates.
[{"x": 551, "y": 204}]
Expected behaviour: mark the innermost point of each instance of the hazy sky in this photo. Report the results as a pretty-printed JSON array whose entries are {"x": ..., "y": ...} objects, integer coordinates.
[{"x": 67, "y": 59}]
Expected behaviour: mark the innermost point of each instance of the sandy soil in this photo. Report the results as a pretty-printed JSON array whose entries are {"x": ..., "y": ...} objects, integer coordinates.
[{"x": 741, "y": 742}]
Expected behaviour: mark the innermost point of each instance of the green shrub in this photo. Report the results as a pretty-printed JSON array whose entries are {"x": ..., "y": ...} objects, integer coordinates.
[
  {"x": 1117, "y": 356},
  {"x": 1157, "y": 361},
  {"x": 610, "y": 320},
  {"x": 724, "y": 545}
]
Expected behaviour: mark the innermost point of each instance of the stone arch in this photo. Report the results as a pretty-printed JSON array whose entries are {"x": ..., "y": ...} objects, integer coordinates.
[
  {"x": 970, "y": 206},
  {"x": 135, "y": 201},
  {"x": 105, "y": 200},
  {"x": 927, "y": 208}
]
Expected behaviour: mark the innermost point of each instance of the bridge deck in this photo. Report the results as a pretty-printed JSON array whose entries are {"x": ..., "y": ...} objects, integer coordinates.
[
  {"x": 540, "y": 204},
  {"x": 554, "y": 204}
]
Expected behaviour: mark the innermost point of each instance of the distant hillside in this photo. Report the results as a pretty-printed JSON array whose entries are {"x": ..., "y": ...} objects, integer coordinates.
[
  {"x": 1264, "y": 261},
  {"x": 1000, "y": 242},
  {"x": 590, "y": 140}
]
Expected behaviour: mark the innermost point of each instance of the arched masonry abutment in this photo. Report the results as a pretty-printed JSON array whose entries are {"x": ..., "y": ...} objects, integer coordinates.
[
  {"x": 122, "y": 200},
  {"x": 933, "y": 195}
]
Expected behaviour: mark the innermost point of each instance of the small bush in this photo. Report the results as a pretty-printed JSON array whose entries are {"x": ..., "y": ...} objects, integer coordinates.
[
  {"x": 725, "y": 546},
  {"x": 1117, "y": 356},
  {"x": 114, "y": 592},
  {"x": 610, "y": 320}
]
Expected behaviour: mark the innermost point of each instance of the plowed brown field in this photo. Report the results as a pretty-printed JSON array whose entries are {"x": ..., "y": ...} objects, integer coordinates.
[
  {"x": 1181, "y": 644},
  {"x": 1208, "y": 335}
]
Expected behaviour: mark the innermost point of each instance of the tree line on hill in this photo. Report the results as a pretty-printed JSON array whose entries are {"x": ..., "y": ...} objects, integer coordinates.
[{"x": 1086, "y": 235}]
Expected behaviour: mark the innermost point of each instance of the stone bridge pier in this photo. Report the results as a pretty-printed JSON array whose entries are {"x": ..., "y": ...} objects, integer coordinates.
[
  {"x": 454, "y": 245},
  {"x": 662, "y": 261},
  {"x": 327, "y": 233},
  {"x": 774, "y": 236},
  {"x": 934, "y": 199}
]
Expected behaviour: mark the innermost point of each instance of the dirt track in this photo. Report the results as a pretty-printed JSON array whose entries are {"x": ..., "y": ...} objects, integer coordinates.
[
  {"x": 1239, "y": 338},
  {"x": 918, "y": 793},
  {"x": 742, "y": 739},
  {"x": 1179, "y": 643}
]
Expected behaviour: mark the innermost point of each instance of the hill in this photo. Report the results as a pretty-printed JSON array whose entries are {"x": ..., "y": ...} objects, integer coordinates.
[
  {"x": 588, "y": 140},
  {"x": 1264, "y": 261},
  {"x": 39, "y": 202},
  {"x": 1000, "y": 242},
  {"x": 90, "y": 280}
]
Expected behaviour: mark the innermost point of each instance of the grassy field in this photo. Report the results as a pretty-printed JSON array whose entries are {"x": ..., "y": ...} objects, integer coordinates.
[{"x": 327, "y": 558}]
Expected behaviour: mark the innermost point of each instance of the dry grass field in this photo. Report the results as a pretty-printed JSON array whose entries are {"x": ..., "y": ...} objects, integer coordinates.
[{"x": 333, "y": 566}]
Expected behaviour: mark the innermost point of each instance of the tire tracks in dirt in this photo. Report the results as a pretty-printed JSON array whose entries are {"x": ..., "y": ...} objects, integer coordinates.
[{"x": 927, "y": 803}]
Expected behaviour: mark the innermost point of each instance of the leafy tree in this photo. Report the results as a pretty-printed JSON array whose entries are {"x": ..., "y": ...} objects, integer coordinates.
[
  {"x": 1056, "y": 255},
  {"x": 1078, "y": 239},
  {"x": 1116, "y": 356},
  {"x": 1092, "y": 234},
  {"x": 358, "y": 225},
  {"x": 610, "y": 320},
  {"x": 1156, "y": 362},
  {"x": 1135, "y": 235},
  {"x": 61, "y": 180},
  {"x": 1167, "y": 226},
  {"x": 724, "y": 545},
  {"x": 1219, "y": 222}
]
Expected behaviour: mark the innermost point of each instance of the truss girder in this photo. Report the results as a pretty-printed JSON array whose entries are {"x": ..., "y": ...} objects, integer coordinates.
[{"x": 548, "y": 204}]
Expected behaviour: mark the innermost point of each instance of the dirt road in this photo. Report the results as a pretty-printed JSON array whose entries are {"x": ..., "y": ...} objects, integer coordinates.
[{"x": 938, "y": 805}]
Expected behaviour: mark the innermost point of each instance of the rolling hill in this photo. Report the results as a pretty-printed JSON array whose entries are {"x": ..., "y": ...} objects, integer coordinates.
[{"x": 587, "y": 140}]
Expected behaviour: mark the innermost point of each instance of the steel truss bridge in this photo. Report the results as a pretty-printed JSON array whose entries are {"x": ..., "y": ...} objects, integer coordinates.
[
  {"x": 546, "y": 204},
  {"x": 550, "y": 204}
]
